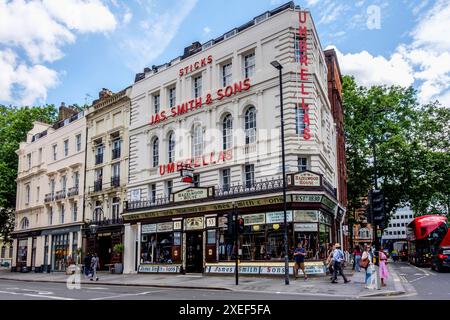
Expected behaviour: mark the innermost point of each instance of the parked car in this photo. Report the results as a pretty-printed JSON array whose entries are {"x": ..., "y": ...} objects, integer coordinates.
[{"x": 441, "y": 259}]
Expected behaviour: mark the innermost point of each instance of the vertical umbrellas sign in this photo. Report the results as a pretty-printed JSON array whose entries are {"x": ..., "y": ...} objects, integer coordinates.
[{"x": 304, "y": 70}]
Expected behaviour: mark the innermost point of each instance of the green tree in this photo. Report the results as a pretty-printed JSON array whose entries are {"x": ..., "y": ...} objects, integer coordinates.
[{"x": 15, "y": 123}]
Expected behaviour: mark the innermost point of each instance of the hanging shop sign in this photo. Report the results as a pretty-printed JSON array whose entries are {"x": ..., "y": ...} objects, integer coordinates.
[
  {"x": 200, "y": 102},
  {"x": 211, "y": 222},
  {"x": 306, "y": 227},
  {"x": 205, "y": 160},
  {"x": 177, "y": 225},
  {"x": 304, "y": 179},
  {"x": 192, "y": 194},
  {"x": 194, "y": 223},
  {"x": 258, "y": 218},
  {"x": 278, "y": 217},
  {"x": 148, "y": 228},
  {"x": 304, "y": 71},
  {"x": 306, "y": 216},
  {"x": 164, "y": 227}
]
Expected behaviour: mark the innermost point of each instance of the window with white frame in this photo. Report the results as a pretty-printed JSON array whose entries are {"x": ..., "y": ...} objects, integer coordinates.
[
  {"x": 98, "y": 211},
  {"x": 156, "y": 102},
  {"x": 227, "y": 132},
  {"x": 74, "y": 212},
  {"x": 76, "y": 179},
  {"x": 52, "y": 186},
  {"x": 197, "y": 141},
  {"x": 63, "y": 183},
  {"x": 227, "y": 74},
  {"x": 29, "y": 161},
  {"x": 171, "y": 147},
  {"x": 54, "y": 147},
  {"x": 152, "y": 193},
  {"x": 299, "y": 120},
  {"x": 197, "y": 86},
  {"x": 250, "y": 125},
  {"x": 196, "y": 179},
  {"x": 169, "y": 187},
  {"x": 172, "y": 97},
  {"x": 249, "y": 175},
  {"x": 61, "y": 218},
  {"x": 50, "y": 216},
  {"x": 27, "y": 194},
  {"x": 78, "y": 142},
  {"x": 66, "y": 148},
  {"x": 297, "y": 49},
  {"x": 302, "y": 163},
  {"x": 115, "y": 208},
  {"x": 38, "y": 191},
  {"x": 249, "y": 65},
  {"x": 155, "y": 152},
  {"x": 24, "y": 223},
  {"x": 226, "y": 179}
]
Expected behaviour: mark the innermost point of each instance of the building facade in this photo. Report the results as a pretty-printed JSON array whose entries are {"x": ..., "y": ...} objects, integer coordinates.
[
  {"x": 394, "y": 235},
  {"x": 106, "y": 174},
  {"x": 216, "y": 110},
  {"x": 50, "y": 184},
  {"x": 6, "y": 253}
]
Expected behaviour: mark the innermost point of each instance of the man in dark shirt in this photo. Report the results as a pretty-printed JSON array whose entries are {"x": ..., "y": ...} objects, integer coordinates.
[{"x": 299, "y": 257}]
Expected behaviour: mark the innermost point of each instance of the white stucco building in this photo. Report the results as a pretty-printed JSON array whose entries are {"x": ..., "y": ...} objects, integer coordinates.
[
  {"x": 396, "y": 228},
  {"x": 50, "y": 184},
  {"x": 216, "y": 109}
]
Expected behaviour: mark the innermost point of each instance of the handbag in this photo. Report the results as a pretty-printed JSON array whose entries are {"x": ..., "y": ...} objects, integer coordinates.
[{"x": 364, "y": 263}]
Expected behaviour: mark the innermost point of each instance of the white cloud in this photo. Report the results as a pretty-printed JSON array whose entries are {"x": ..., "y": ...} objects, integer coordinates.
[
  {"x": 159, "y": 29},
  {"x": 33, "y": 81},
  {"x": 206, "y": 30},
  {"x": 332, "y": 12},
  {"x": 370, "y": 70},
  {"x": 311, "y": 3},
  {"x": 40, "y": 29},
  {"x": 127, "y": 18}
]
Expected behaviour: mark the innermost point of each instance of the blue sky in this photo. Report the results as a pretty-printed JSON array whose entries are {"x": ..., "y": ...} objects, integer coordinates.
[{"x": 67, "y": 50}]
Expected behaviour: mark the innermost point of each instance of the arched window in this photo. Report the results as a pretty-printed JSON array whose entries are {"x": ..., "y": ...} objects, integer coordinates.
[
  {"x": 250, "y": 125},
  {"x": 227, "y": 132},
  {"x": 197, "y": 141},
  {"x": 24, "y": 223},
  {"x": 155, "y": 152},
  {"x": 171, "y": 149}
]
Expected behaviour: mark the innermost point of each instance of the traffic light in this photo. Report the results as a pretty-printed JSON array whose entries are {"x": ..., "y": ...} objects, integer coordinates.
[
  {"x": 241, "y": 225},
  {"x": 230, "y": 224},
  {"x": 377, "y": 206}
]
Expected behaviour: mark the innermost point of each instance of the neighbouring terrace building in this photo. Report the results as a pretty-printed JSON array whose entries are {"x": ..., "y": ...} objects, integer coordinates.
[
  {"x": 106, "y": 174},
  {"x": 216, "y": 110},
  {"x": 50, "y": 184}
]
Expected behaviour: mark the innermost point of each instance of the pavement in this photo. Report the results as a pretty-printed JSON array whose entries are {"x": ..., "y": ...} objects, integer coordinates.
[{"x": 315, "y": 286}]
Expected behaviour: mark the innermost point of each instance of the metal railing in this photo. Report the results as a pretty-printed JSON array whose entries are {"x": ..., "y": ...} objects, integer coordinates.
[
  {"x": 106, "y": 222},
  {"x": 61, "y": 194},
  {"x": 73, "y": 192},
  {"x": 98, "y": 186},
  {"x": 49, "y": 197}
]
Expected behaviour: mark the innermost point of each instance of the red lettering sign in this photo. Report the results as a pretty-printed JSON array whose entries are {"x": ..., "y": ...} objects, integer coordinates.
[
  {"x": 303, "y": 46},
  {"x": 196, "y": 65},
  {"x": 197, "y": 162}
]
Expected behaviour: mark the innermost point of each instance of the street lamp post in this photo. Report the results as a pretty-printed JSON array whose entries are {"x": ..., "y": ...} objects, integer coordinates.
[{"x": 278, "y": 66}]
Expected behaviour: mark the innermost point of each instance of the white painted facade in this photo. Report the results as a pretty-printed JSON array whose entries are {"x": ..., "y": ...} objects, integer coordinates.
[{"x": 50, "y": 185}]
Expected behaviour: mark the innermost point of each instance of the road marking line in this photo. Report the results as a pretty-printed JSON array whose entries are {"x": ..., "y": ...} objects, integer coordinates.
[
  {"x": 96, "y": 288},
  {"x": 50, "y": 297},
  {"x": 128, "y": 294},
  {"x": 418, "y": 279}
]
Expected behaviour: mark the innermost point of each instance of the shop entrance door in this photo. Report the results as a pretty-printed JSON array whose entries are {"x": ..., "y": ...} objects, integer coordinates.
[
  {"x": 194, "y": 251},
  {"x": 104, "y": 252}
]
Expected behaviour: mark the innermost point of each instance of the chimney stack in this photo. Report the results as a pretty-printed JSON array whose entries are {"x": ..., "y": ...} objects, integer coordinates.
[
  {"x": 65, "y": 112},
  {"x": 105, "y": 93}
]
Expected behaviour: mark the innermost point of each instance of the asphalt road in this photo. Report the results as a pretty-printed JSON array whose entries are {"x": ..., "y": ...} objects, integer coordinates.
[
  {"x": 423, "y": 283},
  {"x": 22, "y": 290}
]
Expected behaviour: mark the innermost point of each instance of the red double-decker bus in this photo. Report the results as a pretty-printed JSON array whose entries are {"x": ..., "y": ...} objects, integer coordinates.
[{"x": 426, "y": 234}]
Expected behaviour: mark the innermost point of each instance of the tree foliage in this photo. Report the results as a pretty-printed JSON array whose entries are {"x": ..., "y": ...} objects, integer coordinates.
[
  {"x": 14, "y": 125},
  {"x": 411, "y": 146}
]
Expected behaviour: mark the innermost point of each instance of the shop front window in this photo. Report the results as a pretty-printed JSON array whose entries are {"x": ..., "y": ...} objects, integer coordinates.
[
  {"x": 22, "y": 249},
  {"x": 60, "y": 251},
  {"x": 157, "y": 247}
]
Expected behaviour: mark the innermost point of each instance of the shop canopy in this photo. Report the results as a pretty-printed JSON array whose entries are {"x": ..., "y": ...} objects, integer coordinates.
[{"x": 424, "y": 225}]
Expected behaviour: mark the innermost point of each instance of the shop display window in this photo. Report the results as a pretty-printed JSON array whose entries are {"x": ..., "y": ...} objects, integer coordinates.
[{"x": 157, "y": 247}]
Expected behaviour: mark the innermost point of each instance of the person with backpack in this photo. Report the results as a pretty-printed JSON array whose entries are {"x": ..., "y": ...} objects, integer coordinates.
[
  {"x": 338, "y": 257},
  {"x": 94, "y": 266}
]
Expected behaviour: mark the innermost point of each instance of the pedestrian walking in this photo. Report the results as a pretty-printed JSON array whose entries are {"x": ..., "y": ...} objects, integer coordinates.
[
  {"x": 87, "y": 264},
  {"x": 338, "y": 257},
  {"x": 366, "y": 263},
  {"x": 299, "y": 257},
  {"x": 95, "y": 264},
  {"x": 384, "y": 273},
  {"x": 329, "y": 261},
  {"x": 357, "y": 258}
]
